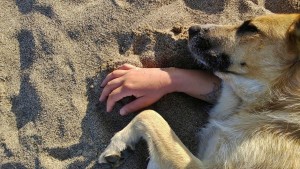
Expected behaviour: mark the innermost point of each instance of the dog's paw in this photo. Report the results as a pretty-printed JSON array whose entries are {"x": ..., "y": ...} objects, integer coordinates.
[{"x": 114, "y": 155}]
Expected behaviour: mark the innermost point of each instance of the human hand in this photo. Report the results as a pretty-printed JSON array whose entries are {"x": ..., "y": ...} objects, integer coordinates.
[{"x": 148, "y": 85}]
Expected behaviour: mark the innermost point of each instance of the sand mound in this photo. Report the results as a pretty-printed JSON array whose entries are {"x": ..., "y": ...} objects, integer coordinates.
[{"x": 54, "y": 54}]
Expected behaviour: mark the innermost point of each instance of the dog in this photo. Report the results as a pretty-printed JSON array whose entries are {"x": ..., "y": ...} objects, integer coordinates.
[{"x": 256, "y": 120}]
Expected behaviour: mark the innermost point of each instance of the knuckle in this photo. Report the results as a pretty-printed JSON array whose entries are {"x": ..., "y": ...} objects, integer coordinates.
[
  {"x": 111, "y": 97},
  {"x": 113, "y": 74},
  {"x": 127, "y": 85},
  {"x": 109, "y": 83}
]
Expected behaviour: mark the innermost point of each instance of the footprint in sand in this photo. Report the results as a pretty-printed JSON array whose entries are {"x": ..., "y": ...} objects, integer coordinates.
[
  {"x": 26, "y": 105},
  {"x": 28, "y": 6}
]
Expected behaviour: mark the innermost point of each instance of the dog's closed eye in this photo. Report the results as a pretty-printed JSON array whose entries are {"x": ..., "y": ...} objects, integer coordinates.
[{"x": 247, "y": 27}]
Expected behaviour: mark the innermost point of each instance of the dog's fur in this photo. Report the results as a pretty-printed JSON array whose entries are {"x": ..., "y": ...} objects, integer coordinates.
[{"x": 256, "y": 121}]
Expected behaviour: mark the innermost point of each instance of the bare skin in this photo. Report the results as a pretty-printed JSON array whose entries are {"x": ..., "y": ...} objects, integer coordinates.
[{"x": 148, "y": 85}]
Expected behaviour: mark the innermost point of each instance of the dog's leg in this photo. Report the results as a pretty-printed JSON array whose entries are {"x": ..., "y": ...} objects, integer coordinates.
[{"x": 165, "y": 148}]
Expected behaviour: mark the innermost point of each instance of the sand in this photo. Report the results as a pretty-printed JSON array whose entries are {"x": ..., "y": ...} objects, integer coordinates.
[{"x": 54, "y": 55}]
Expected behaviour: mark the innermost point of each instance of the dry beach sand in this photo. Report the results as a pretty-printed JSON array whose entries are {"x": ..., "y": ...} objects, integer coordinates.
[{"x": 54, "y": 54}]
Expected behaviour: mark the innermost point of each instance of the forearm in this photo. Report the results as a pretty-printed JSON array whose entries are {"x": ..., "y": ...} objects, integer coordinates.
[{"x": 196, "y": 83}]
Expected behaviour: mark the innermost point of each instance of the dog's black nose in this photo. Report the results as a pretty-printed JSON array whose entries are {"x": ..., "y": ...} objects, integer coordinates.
[
  {"x": 193, "y": 30},
  {"x": 199, "y": 29}
]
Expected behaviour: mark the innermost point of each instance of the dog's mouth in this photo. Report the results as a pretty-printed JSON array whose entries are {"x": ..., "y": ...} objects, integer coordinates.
[{"x": 208, "y": 55}]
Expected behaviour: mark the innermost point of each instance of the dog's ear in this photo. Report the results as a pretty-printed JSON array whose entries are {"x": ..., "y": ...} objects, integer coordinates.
[{"x": 294, "y": 36}]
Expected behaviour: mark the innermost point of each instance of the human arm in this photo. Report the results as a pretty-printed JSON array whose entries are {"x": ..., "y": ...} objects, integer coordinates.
[
  {"x": 148, "y": 85},
  {"x": 196, "y": 83}
]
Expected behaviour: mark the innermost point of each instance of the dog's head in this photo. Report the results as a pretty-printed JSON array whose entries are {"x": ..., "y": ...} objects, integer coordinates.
[{"x": 260, "y": 50}]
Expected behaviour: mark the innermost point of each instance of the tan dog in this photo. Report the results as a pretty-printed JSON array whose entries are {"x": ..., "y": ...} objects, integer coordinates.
[{"x": 256, "y": 122}]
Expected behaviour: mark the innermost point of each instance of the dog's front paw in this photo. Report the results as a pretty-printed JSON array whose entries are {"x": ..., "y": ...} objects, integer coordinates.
[{"x": 115, "y": 154}]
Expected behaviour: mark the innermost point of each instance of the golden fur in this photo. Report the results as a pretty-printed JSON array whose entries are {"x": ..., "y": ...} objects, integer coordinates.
[{"x": 256, "y": 122}]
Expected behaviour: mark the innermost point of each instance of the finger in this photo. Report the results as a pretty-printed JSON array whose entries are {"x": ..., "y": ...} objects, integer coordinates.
[
  {"x": 127, "y": 66},
  {"x": 116, "y": 95},
  {"x": 113, "y": 75},
  {"x": 110, "y": 86},
  {"x": 135, "y": 105}
]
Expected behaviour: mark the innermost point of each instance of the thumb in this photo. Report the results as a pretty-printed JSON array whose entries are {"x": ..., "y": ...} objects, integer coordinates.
[{"x": 135, "y": 105}]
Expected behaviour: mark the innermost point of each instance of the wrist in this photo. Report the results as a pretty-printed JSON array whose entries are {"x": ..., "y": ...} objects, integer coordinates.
[
  {"x": 195, "y": 83},
  {"x": 175, "y": 79}
]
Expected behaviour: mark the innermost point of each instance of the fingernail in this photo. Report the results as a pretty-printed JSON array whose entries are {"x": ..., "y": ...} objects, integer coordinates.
[
  {"x": 102, "y": 85},
  {"x": 122, "y": 112},
  {"x": 108, "y": 109}
]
